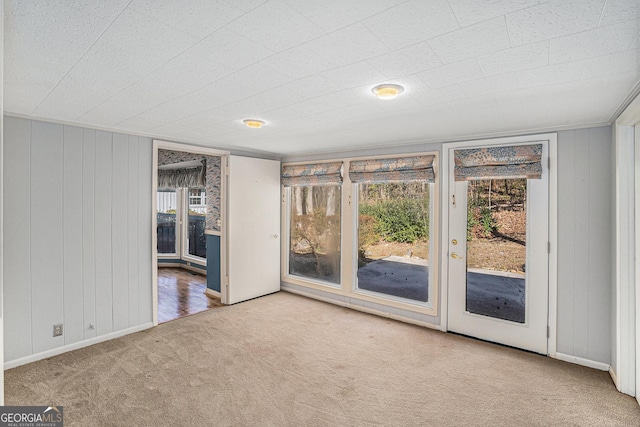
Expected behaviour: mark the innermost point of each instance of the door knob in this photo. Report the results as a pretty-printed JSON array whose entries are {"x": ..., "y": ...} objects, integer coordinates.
[
  {"x": 455, "y": 255},
  {"x": 276, "y": 235}
]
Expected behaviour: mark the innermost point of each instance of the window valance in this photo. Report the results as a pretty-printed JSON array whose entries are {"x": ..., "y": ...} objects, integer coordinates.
[
  {"x": 511, "y": 162},
  {"x": 398, "y": 169},
  {"x": 171, "y": 179},
  {"x": 312, "y": 174}
]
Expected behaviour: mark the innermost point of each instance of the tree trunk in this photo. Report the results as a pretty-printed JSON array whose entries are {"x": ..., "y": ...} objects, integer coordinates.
[
  {"x": 331, "y": 201},
  {"x": 309, "y": 200},
  {"x": 297, "y": 197}
]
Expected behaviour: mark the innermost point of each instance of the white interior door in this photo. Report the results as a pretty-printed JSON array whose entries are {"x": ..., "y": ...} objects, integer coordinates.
[
  {"x": 508, "y": 307},
  {"x": 253, "y": 255}
]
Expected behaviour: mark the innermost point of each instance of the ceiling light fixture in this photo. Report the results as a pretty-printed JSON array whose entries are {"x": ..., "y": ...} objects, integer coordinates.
[
  {"x": 387, "y": 91},
  {"x": 253, "y": 123}
]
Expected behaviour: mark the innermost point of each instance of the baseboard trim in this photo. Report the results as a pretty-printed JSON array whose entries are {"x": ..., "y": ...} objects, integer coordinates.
[
  {"x": 583, "y": 362},
  {"x": 363, "y": 309},
  {"x": 75, "y": 346},
  {"x": 212, "y": 293},
  {"x": 614, "y": 377}
]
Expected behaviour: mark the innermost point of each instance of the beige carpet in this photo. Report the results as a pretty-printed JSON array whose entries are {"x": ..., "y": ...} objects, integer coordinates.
[{"x": 284, "y": 360}]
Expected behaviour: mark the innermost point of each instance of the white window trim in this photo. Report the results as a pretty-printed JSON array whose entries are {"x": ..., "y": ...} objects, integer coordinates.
[{"x": 348, "y": 248}]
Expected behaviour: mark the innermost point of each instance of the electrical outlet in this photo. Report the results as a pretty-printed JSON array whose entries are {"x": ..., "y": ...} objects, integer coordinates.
[{"x": 57, "y": 330}]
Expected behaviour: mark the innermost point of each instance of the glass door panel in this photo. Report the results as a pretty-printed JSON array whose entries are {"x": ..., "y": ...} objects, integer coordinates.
[
  {"x": 167, "y": 230},
  {"x": 197, "y": 208},
  {"x": 496, "y": 248}
]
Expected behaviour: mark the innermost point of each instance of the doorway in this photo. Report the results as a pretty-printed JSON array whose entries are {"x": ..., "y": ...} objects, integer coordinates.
[
  {"x": 498, "y": 243},
  {"x": 188, "y": 207}
]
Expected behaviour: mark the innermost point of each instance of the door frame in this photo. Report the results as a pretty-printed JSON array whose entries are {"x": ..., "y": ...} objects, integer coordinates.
[
  {"x": 552, "y": 139},
  {"x": 195, "y": 149}
]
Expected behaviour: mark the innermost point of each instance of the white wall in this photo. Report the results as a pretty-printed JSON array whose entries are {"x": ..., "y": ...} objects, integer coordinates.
[
  {"x": 585, "y": 182},
  {"x": 77, "y": 235}
]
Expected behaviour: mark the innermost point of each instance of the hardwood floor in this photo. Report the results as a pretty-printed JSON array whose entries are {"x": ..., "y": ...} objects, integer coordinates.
[{"x": 181, "y": 293}]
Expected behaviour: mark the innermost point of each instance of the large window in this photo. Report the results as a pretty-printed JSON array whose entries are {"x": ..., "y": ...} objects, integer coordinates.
[
  {"x": 393, "y": 239},
  {"x": 364, "y": 228},
  {"x": 178, "y": 238},
  {"x": 314, "y": 232}
]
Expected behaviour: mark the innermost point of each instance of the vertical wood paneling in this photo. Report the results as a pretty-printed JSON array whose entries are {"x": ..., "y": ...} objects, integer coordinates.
[
  {"x": 600, "y": 184},
  {"x": 584, "y": 225},
  {"x": 145, "y": 155},
  {"x": 16, "y": 234},
  {"x": 581, "y": 218},
  {"x": 566, "y": 194},
  {"x": 88, "y": 232},
  {"x": 46, "y": 234},
  {"x": 133, "y": 249},
  {"x": 104, "y": 283},
  {"x": 72, "y": 234},
  {"x": 119, "y": 217},
  {"x": 77, "y": 229}
]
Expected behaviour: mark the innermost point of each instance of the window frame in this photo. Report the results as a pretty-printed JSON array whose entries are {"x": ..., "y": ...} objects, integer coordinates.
[{"x": 349, "y": 243}]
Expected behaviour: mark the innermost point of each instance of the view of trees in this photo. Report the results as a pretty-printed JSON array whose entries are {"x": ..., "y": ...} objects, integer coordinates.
[{"x": 497, "y": 224}]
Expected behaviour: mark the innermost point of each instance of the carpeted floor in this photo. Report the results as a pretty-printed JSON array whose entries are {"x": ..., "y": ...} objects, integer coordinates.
[{"x": 284, "y": 360}]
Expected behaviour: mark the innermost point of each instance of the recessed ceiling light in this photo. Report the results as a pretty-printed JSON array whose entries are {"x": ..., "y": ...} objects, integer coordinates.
[
  {"x": 253, "y": 123},
  {"x": 387, "y": 91}
]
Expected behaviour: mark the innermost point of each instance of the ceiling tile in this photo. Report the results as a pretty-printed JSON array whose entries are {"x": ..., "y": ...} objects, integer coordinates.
[
  {"x": 442, "y": 96},
  {"x": 469, "y": 42},
  {"x": 343, "y": 47},
  {"x": 412, "y": 22},
  {"x": 231, "y": 49},
  {"x": 103, "y": 9},
  {"x": 616, "y": 11},
  {"x": 409, "y": 60},
  {"x": 323, "y": 13},
  {"x": 353, "y": 75},
  {"x": 532, "y": 55},
  {"x": 552, "y": 19},
  {"x": 276, "y": 26},
  {"x": 70, "y": 99},
  {"x": 490, "y": 85},
  {"x": 196, "y": 17},
  {"x": 258, "y": 77},
  {"x": 551, "y": 75},
  {"x": 601, "y": 41},
  {"x": 135, "y": 32},
  {"x": 616, "y": 63},
  {"x": 42, "y": 42},
  {"x": 451, "y": 74},
  {"x": 471, "y": 12}
]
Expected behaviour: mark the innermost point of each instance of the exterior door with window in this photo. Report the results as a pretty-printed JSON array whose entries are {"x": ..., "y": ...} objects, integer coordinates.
[{"x": 498, "y": 235}]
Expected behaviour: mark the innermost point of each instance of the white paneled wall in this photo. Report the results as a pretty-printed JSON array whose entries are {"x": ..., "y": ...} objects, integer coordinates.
[
  {"x": 585, "y": 182},
  {"x": 77, "y": 235}
]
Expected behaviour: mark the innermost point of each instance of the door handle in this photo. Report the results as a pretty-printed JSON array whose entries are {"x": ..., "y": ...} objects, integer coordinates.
[
  {"x": 455, "y": 255},
  {"x": 275, "y": 236}
]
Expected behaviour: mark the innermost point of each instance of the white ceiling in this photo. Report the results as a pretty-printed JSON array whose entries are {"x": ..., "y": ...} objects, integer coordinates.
[{"x": 192, "y": 70}]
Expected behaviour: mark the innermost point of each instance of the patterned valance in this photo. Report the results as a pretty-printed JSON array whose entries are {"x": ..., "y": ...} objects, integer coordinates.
[
  {"x": 312, "y": 174},
  {"x": 171, "y": 179},
  {"x": 512, "y": 162},
  {"x": 398, "y": 169}
]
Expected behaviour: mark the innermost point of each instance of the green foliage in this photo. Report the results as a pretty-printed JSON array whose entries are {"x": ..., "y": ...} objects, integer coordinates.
[
  {"x": 402, "y": 220},
  {"x": 480, "y": 221}
]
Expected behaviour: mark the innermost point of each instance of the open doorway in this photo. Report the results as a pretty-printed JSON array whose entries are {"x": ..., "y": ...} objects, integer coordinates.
[{"x": 187, "y": 204}]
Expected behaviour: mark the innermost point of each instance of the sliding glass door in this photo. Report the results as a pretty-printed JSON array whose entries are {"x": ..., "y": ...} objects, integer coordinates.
[{"x": 179, "y": 238}]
